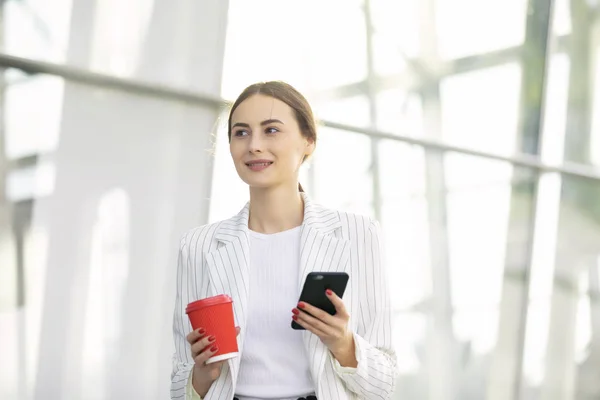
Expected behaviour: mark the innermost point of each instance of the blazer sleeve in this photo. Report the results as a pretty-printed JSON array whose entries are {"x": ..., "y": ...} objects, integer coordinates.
[
  {"x": 376, "y": 374},
  {"x": 191, "y": 282},
  {"x": 182, "y": 359}
]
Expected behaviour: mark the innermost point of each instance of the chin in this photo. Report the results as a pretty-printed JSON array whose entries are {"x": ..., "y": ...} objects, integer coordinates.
[{"x": 256, "y": 183}]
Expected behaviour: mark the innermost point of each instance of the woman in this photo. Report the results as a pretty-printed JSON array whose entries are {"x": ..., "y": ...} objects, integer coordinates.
[{"x": 261, "y": 257}]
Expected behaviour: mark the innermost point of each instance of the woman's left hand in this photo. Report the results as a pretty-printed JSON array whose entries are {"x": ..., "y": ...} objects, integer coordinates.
[{"x": 331, "y": 329}]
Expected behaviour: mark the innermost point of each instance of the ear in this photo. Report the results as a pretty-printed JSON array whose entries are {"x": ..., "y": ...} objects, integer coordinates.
[{"x": 310, "y": 147}]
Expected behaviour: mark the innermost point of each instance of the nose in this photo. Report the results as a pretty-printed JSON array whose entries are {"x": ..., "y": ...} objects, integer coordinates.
[{"x": 255, "y": 144}]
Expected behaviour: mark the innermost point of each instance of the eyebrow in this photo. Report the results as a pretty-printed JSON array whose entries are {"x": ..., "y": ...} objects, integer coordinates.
[{"x": 265, "y": 122}]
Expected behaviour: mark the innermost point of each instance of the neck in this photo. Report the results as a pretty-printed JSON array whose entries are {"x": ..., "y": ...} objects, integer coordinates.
[{"x": 276, "y": 209}]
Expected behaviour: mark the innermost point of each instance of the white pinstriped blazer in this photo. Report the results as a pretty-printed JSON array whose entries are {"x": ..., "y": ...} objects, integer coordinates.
[{"x": 214, "y": 259}]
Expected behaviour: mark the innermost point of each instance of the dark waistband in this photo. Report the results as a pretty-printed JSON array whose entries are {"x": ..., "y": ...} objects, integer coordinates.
[{"x": 299, "y": 398}]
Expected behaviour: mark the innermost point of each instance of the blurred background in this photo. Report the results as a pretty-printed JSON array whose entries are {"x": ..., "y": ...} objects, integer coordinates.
[{"x": 469, "y": 128}]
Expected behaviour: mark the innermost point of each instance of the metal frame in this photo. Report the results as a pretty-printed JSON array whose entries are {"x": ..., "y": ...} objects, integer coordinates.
[
  {"x": 372, "y": 95},
  {"x": 535, "y": 61},
  {"x": 414, "y": 79},
  {"x": 82, "y": 76},
  {"x": 560, "y": 351},
  {"x": 74, "y": 74},
  {"x": 442, "y": 345}
]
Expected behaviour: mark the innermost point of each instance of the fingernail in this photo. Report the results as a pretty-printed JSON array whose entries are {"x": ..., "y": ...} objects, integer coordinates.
[
  {"x": 211, "y": 338},
  {"x": 295, "y": 311},
  {"x": 201, "y": 331},
  {"x": 329, "y": 292},
  {"x": 295, "y": 318},
  {"x": 300, "y": 305},
  {"x": 214, "y": 349}
]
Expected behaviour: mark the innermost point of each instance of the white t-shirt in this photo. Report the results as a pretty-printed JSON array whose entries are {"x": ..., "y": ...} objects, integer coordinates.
[{"x": 273, "y": 364}]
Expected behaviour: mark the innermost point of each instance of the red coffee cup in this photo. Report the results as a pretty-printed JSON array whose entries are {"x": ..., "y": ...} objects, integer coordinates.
[{"x": 215, "y": 315}]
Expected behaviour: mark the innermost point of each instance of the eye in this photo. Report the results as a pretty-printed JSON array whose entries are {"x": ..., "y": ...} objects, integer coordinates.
[
  {"x": 271, "y": 129},
  {"x": 240, "y": 133}
]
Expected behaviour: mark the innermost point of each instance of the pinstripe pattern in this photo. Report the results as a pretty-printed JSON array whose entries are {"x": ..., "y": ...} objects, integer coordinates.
[{"x": 214, "y": 259}]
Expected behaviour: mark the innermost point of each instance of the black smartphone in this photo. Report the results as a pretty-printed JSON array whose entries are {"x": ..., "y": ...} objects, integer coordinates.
[{"x": 315, "y": 285}]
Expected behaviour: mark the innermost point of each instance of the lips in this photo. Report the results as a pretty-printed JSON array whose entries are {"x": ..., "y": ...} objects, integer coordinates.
[{"x": 259, "y": 163}]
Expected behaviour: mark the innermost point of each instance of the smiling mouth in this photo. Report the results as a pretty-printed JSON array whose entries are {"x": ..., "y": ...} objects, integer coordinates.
[{"x": 259, "y": 166}]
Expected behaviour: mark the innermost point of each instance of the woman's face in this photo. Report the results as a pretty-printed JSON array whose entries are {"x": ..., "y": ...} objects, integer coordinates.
[{"x": 266, "y": 144}]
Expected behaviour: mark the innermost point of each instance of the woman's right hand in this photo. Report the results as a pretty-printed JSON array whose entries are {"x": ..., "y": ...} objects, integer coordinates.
[{"x": 202, "y": 349}]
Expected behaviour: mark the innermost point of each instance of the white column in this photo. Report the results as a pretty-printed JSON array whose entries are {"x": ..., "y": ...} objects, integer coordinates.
[
  {"x": 560, "y": 375},
  {"x": 157, "y": 153}
]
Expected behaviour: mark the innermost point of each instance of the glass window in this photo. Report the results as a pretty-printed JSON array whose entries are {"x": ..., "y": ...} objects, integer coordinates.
[
  {"x": 561, "y": 336},
  {"x": 562, "y": 17},
  {"x": 352, "y": 111},
  {"x": 31, "y": 183},
  {"x": 409, "y": 348},
  {"x": 399, "y": 111},
  {"x": 478, "y": 204},
  {"x": 37, "y": 29},
  {"x": 405, "y": 222},
  {"x": 468, "y": 27},
  {"x": 33, "y": 107},
  {"x": 312, "y": 50},
  {"x": 341, "y": 165},
  {"x": 119, "y": 35},
  {"x": 395, "y": 34},
  {"x": 480, "y": 109},
  {"x": 595, "y": 130},
  {"x": 555, "y": 113}
]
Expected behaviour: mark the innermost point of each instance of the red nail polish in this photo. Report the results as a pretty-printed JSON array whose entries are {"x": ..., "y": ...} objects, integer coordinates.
[
  {"x": 211, "y": 338},
  {"x": 295, "y": 311},
  {"x": 214, "y": 349},
  {"x": 329, "y": 292},
  {"x": 201, "y": 331},
  {"x": 300, "y": 305},
  {"x": 295, "y": 318}
]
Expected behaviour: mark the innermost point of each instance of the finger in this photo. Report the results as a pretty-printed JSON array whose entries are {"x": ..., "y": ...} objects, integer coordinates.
[
  {"x": 317, "y": 313},
  {"x": 309, "y": 327},
  {"x": 329, "y": 330},
  {"x": 237, "y": 330},
  {"x": 205, "y": 354},
  {"x": 202, "y": 344},
  {"x": 338, "y": 303},
  {"x": 194, "y": 335}
]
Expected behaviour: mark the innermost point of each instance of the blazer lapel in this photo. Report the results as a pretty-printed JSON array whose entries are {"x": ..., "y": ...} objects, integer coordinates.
[
  {"x": 228, "y": 274},
  {"x": 322, "y": 251}
]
